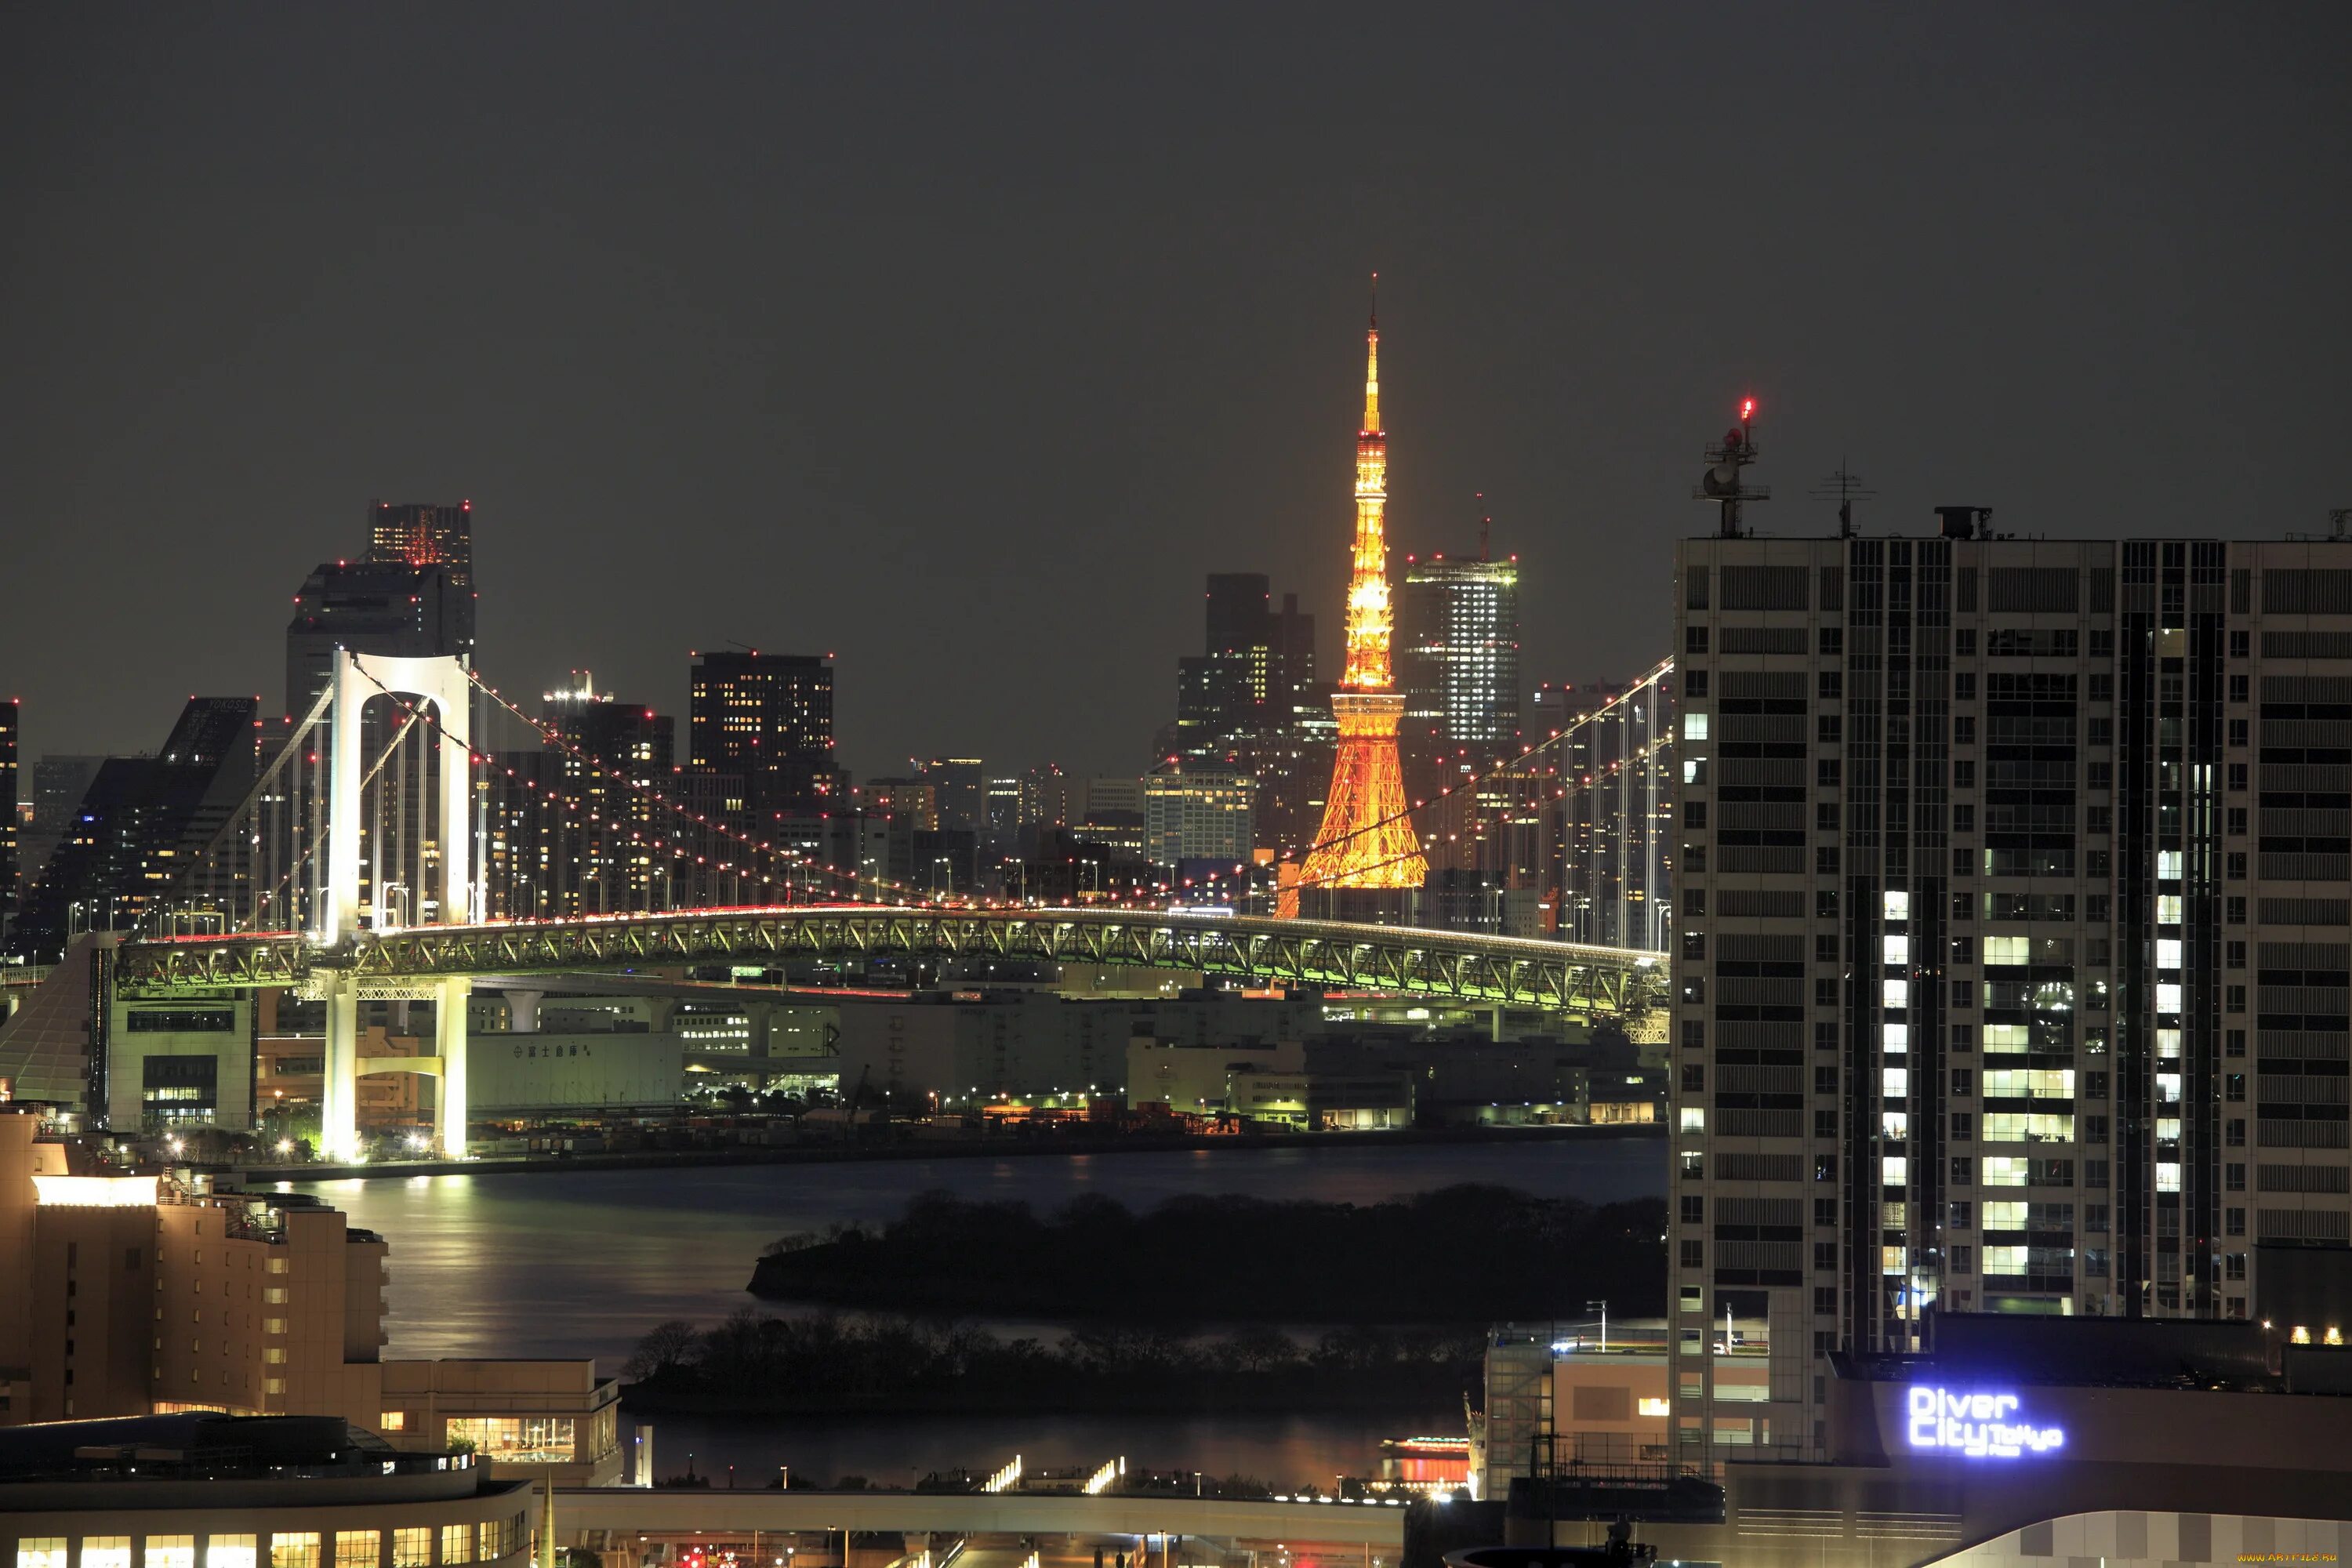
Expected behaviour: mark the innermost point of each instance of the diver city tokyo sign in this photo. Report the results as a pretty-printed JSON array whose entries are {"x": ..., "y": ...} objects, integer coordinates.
[{"x": 1975, "y": 1426}]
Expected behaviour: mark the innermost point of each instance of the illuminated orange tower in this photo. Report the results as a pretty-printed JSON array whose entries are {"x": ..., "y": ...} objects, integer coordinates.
[{"x": 1367, "y": 839}]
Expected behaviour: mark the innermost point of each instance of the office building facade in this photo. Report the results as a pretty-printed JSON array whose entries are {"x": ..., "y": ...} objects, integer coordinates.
[
  {"x": 375, "y": 608},
  {"x": 767, "y": 719},
  {"x": 422, "y": 534},
  {"x": 1458, "y": 654},
  {"x": 1198, "y": 814},
  {"x": 2010, "y": 941}
]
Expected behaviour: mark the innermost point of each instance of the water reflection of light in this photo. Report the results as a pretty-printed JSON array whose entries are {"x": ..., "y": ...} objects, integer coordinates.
[{"x": 584, "y": 1262}]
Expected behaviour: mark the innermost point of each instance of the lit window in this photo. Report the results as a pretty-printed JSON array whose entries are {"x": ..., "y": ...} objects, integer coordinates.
[
  {"x": 2168, "y": 953},
  {"x": 1694, "y": 1119},
  {"x": 1694, "y": 726},
  {"x": 394, "y": 1421},
  {"x": 105, "y": 1552},
  {"x": 41, "y": 1552},
  {"x": 2167, "y": 996},
  {"x": 2168, "y": 909},
  {"x": 2005, "y": 948},
  {"x": 294, "y": 1549},
  {"x": 2168, "y": 865},
  {"x": 1895, "y": 993},
  {"x": 456, "y": 1543},
  {"x": 229, "y": 1551},
  {"x": 1898, "y": 950},
  {"x": 358, "y": 1549},
  {"x": 1896, "y": 1039},
  {"x": 2168, "y": 1177},
  {"x": 1898, "y": 904},
  {"x": 170, "y": 1551},
  {"x": 1897, "y": 1083},
  {"x": 1894, "y": 1169},
  {"x": 413, "y": 1548}
]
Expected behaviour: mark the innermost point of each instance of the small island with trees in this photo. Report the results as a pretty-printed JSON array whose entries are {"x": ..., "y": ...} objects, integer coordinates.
[{"x": 1315, "y": 1305}]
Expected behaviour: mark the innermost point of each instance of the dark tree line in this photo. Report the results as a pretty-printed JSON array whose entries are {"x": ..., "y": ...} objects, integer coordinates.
[
  {"x": 838, "y": 1361},
  {"x": 1466, "y": 1254}
]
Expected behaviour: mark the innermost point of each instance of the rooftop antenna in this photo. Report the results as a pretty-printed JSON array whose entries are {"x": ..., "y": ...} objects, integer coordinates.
[
  {"x": 2339, "y": 528},
  {"x": 1485, "y": 525},
  {"x": 1721, "y": 483},
  {"x": 1844, "y": 487}
]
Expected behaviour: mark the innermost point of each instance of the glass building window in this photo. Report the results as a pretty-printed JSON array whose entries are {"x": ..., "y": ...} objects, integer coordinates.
[
  {"x": 170, "y": 1551},
  {"x": 358, "y": 1548},
  {"x": 41, "y": 1552},
  {"x": 105, "y": 1552},
  {"x": 229, "y": 1551},
  {"x": 413, "y": 1548},
  {"x": 294, "y": 1549},
  {"x": 456, "y": 1543}
]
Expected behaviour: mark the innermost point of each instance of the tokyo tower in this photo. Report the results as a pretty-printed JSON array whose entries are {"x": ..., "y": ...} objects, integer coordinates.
[{"x": 1367, "y": 839}]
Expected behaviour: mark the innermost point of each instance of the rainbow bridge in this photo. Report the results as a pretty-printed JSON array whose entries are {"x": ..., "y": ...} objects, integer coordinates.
[{"x": 1448, "y": 966}]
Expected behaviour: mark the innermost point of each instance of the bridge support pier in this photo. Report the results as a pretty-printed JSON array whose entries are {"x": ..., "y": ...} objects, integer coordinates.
[
  {"x": 339, "y": 1107},
  {"x": 450, "y": 1107}
]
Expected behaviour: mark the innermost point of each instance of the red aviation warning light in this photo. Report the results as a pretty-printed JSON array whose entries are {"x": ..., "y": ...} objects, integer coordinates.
[{"x": 1747, "y": 409}]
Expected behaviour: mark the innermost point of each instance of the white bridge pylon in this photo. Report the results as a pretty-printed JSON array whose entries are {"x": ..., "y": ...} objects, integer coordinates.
[{"x": 442, "y": 686}]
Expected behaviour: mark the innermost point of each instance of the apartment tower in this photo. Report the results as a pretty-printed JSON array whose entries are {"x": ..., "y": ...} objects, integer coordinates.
[{"x": 2013, "y": 924}]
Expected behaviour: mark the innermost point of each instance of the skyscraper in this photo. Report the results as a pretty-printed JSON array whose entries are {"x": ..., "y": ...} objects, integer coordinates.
[
  {"x": 422, "y": 535},
  {"x": 613, "y": 757},
  {"x": 962, "y": 786},
  {"x": 376, "y": 608},
  {"x": 1458, "y": 654},
  {"x": 1240, "y": 625},
  {"x": 60, "y": 781},
  {"x": 143, "y": 821},
  {"x": 1367, "y": 841},
  {"x": 767, "y": 718},
  {"x": 2011, "y": 956}
]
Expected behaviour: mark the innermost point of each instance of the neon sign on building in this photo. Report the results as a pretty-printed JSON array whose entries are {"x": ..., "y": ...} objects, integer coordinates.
[{"x": 1976, "y": 1426}]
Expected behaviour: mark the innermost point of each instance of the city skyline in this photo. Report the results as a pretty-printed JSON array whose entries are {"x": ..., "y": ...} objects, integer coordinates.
[{"x": 701, "y": 397}]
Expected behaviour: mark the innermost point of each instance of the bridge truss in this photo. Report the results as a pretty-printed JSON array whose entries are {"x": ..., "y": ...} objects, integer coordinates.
[{"x": 1445, "y": 965}]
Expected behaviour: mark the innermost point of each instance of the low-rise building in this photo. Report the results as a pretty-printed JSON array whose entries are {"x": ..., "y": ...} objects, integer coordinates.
[
  {"x": 126, "y": 1296},
  {"x": 538, "y": 1418},
  {"x": 278, "y": 1491}
]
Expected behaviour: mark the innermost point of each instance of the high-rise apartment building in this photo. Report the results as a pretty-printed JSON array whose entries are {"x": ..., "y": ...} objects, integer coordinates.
[
  {"x": 2013, "y": 938},
  {"x": 1458, "y": 654},
  {"x": 767, "y": 718},
  {"x": 613, "y": 850},
  {"x": 420, "y": 535}
]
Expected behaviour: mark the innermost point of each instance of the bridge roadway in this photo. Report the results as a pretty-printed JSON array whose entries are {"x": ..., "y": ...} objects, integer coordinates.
[
  {"x": 726, "y": 1512},
  {"x": 1451, "y": 966}
]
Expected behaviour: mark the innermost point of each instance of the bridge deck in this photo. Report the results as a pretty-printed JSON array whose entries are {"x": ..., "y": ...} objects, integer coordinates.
[{"x": 1450, "y": 965}]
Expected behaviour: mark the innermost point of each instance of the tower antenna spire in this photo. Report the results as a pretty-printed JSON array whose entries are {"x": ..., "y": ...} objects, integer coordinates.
[{"x": 1367, "y": 841}]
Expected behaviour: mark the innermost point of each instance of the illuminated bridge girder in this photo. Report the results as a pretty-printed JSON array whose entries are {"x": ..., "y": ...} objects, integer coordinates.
[{"x": 1449, "y": 966}]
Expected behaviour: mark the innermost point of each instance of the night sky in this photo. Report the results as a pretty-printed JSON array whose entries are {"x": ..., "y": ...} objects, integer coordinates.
[{"x": 960, "y": 341}]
